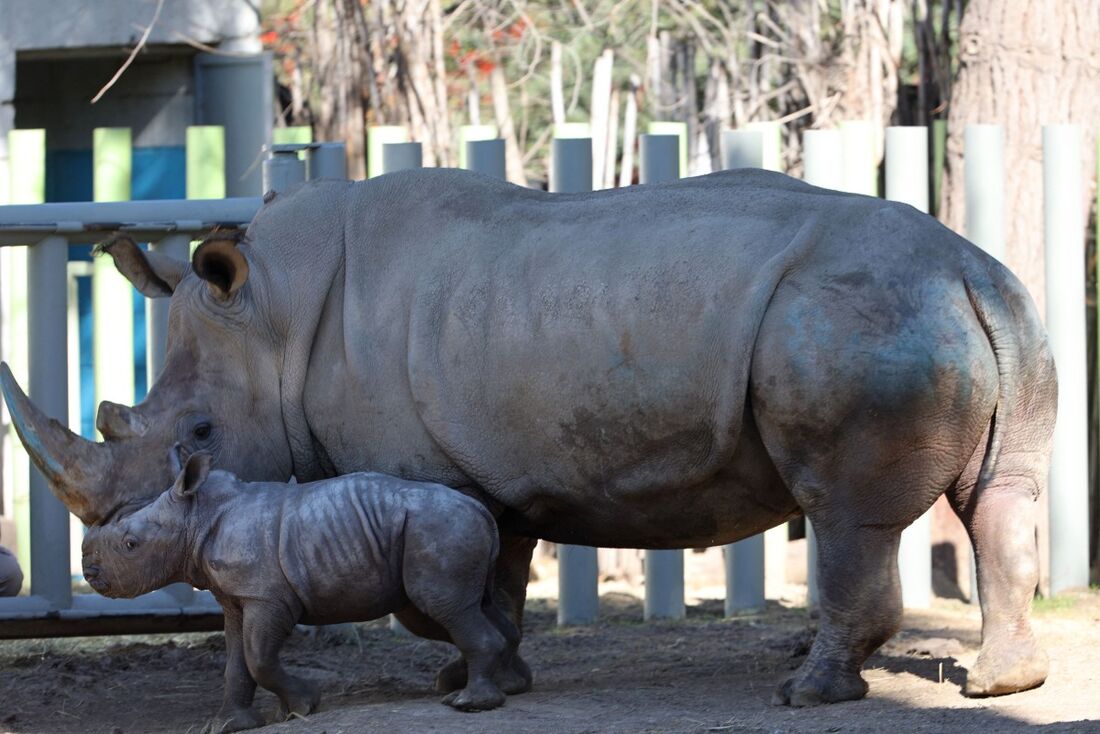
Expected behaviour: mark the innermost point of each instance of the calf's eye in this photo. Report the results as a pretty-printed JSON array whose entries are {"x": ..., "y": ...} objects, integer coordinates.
[
  {"x": 202, "y": 431},
  {"x": 131, "y": 544}
]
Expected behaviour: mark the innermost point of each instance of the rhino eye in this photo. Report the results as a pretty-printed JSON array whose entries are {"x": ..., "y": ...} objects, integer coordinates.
[
  {"x": 202, "y": 431},
  {"x": 131, "y": 544}
]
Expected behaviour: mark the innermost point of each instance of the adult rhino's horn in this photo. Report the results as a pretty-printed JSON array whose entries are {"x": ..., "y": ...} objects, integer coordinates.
[{"x": 73, "y": 466}]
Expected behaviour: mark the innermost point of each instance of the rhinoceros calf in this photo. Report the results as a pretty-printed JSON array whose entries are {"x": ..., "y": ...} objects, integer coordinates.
[
  {"x": 342, "y": 550},
  {"x": 664, "y": 366}
]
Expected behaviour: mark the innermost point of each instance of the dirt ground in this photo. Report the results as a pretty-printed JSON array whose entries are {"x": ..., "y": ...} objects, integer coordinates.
[{"x": 706, "y": 674}]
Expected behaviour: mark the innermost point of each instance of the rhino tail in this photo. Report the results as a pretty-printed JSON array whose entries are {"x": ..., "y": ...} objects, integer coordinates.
[{"x": 1026, "y": 390}]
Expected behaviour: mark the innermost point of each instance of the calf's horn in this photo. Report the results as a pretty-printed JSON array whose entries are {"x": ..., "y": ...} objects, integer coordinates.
[{"x": 73, "y": 466}]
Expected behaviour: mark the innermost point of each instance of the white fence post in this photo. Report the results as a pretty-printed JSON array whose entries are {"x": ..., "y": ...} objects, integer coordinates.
[
  {"x": 578, "y": 565},
  {"x": 745, "y": 559},
  {"x": 1064, "y": 237},
  {"x": 984, "y": 178},
  {"x": 47, "y": 296},
  {"x": 664, "y": 569},
  {"x": 907, "y": 182},
  {"x": 823, "y": 165}
]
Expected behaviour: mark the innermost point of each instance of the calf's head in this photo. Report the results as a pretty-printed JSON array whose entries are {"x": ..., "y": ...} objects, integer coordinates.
[
  {"x": 149, "y": 548},
  {"x": 219, "y": 391}
]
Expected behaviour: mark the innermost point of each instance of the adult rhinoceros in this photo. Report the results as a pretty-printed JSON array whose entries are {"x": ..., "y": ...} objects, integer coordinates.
[{"x": 662, "y": 366}]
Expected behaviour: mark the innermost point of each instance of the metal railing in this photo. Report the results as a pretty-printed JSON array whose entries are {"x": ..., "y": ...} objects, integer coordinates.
[{"x": 47, "y": 229}]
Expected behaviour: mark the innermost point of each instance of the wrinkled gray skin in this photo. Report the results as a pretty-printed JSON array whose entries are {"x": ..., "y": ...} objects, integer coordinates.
[
  {"x": 348, "y": 549},
  {"x": 663, "y": 366}
]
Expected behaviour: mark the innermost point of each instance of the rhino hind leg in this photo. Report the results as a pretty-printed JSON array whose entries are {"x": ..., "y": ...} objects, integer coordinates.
[
  {"x": 860, "y": 610},
  {"x": 1002, "y": 529}
]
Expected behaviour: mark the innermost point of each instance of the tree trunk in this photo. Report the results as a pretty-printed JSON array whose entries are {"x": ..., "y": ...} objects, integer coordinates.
[{"x": 1023, "y": 64}]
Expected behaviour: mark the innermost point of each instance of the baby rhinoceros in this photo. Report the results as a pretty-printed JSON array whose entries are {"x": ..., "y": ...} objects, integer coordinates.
[{"x": 348, "y": 549}]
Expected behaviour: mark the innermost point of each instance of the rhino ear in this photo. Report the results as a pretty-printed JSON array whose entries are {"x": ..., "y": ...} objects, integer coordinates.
[
  {"x": 193, "y": 476},
  {"x": 152, "y": 273},
  {"x": 221, "y": 264}
]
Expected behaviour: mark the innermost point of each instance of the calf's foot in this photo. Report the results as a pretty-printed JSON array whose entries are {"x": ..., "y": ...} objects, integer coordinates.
[
  {"x": 475, "y": 698},
  {"x": 814, "y": 685},
  {"x": 1007, "y": 667},
  {"x": 236, "y": 719}
]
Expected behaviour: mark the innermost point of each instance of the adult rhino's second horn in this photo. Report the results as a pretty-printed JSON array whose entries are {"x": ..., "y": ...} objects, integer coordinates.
[{"x": 73, "y": 466}]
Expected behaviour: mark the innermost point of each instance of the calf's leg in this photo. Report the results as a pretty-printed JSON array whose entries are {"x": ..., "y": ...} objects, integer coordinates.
[
  {"x": 236, "y": 713},
  {"x": 513, "y": 568},
  {"x": 266, "y": 627}
]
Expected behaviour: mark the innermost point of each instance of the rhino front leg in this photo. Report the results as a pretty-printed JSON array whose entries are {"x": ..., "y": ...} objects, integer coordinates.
[
  {"x": 513, "y": 570},
  {"x": 236, "y": 713},
  {"x": 860, "y": 610},
  {"x": 266, "y": 627}
]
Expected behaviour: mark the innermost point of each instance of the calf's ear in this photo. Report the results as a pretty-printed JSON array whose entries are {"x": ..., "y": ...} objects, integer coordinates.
[
  {"x": 221, "y": 264},
  {"x": 193, "y": 476},
  {"x": 152, "y": 273}
]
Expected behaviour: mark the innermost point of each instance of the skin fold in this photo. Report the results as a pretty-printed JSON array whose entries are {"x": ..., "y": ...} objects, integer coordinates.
[
  {"x": 348, "y": 549},
  {"x": 662, "y": 366}
]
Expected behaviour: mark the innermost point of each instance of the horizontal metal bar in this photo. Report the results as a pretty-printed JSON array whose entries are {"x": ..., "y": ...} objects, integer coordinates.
[
  {"x": 68, "y": 624},
  {"x": 157, "y": 602},
  {"x": 24, "y": 224}
]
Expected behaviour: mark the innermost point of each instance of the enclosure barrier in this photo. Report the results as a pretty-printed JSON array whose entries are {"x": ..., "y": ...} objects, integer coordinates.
[{"x": 46, "y": 230}]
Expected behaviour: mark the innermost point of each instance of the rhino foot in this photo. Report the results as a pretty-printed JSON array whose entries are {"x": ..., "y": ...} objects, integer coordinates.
[
  {"x": 475, "y": 698},
  {"x": 300, "y": 702},
  {"x": 1009, "y": 667},
  {"x": 815, "y": 686},
  {"x": 234, "y": 720},
  {"x": 514, "y": 677}
]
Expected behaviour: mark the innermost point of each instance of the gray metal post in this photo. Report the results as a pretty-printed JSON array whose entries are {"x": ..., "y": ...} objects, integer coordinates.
[
  {"x": 823, "y": 158},
  {"x": 742, "y": 149},
  {"x": 664, "y": 569},
  {"x": 578, "y": 565},
  {"x": 177, "y": 246},
  {"x": 745, "y": 559},
  {"x": 907, "y": 181},
  {"x": 283, "y": 168},
  {"x": 659, "y": 158},
  {"x": 1064, "y": 238},
  {"x": 401, "y": 157},
  {"x": 823, "y": 165},
  {"x": 570, "y": 165},
  {"x": 47, "y": 295},
  {"x": 486, "y": 157},
  {"x": 326, "y": 160},
  {"x": 984, "y": 173}
]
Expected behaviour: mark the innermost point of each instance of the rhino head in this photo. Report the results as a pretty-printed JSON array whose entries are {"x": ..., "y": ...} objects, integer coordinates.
[
  {"x": 219, "y": 391},
  {"x": 149, "y": 548}
]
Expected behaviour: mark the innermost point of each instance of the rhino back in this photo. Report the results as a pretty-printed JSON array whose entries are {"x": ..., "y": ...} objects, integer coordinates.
[{"x": 547, "y": 346}]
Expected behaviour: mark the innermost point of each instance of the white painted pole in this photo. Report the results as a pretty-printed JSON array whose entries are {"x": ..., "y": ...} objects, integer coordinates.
[
  {"x": 860, "y": 171},
  {"x": 823, "y": 158},
  {"x": 745, "y": 559},
  {"x": 984, "y": 174},
  {"x": 907, "y": 181},
  {"x": 1064, "y": 237},
  {"x": 823, "y": 165},
  {"x": 47, "y": 291},
  {"x": 664, "y": 569},
  {"x": 578, "y": 565}
]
